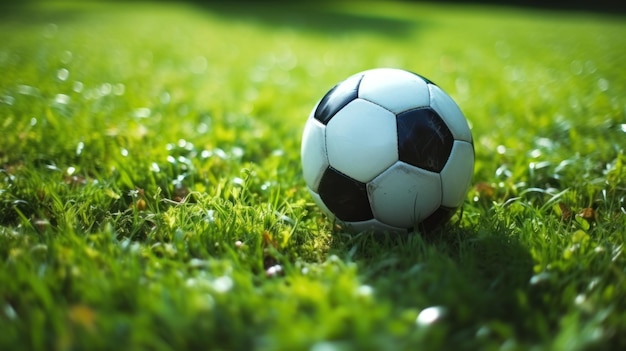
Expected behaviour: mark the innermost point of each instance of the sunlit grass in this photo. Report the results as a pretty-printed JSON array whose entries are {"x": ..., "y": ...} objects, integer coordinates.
[{"x": 151, "y": 194}]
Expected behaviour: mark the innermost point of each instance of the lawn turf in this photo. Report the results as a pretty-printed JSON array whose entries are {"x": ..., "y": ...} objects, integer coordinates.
[{"x": 151, "y": 194}]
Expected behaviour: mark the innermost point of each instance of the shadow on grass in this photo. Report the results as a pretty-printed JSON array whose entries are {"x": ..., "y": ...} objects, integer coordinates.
[
  {"x": 320, "y": 17},
  {"x": 29, "y": 12},
  {"x": 597, "y": 6},
  {"x": 451, "y": 267},
  {"x": 308, "y": 16}
]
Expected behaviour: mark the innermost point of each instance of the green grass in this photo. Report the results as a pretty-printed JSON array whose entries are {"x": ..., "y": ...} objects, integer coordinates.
[{"x": 151, "y": 194}]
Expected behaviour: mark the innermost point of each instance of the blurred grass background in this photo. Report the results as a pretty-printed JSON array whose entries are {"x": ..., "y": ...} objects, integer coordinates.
[{"x": 151, "y": 196}]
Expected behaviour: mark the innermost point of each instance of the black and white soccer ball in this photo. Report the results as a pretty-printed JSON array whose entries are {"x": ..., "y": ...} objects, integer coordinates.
[{"x": 387, "y": 150}]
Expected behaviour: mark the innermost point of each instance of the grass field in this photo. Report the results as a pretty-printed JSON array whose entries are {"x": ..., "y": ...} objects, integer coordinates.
[{"x": 151, "y": 195}]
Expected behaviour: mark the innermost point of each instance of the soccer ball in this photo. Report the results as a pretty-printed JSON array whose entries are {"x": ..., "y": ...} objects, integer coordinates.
[{"x": 387, "y": 150}]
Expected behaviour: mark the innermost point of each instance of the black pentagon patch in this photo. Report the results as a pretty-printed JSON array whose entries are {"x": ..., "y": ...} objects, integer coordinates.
[
  {"x": 344, "y": 196},
  {"x": 436, "y": 219},
  {"x": 337, "y": 98},
  {"x": 424, "y": 140}
]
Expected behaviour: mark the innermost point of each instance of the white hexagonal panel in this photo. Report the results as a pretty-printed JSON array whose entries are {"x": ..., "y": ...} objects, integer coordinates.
[
  {"x": 404, "y": 195},
  {"x": 450, "y": 112},
  {"x": 396, "y": 90},
  {"x": 313, "y": 152},
  {"x": 456, "y": 176},
  {"x": 361, "y": 140}
]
